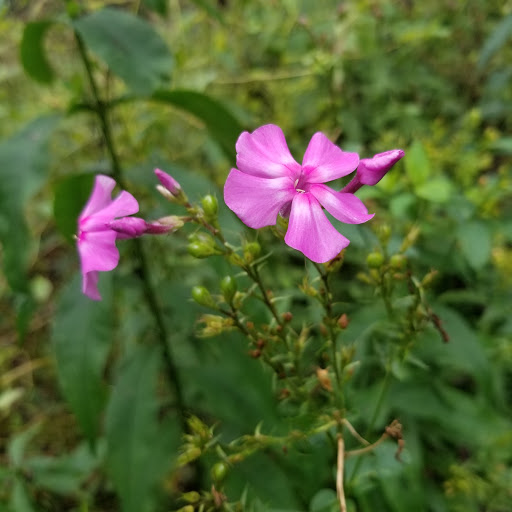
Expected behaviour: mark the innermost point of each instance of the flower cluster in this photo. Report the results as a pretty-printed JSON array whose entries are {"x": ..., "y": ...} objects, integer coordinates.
[{"x": 268, "y": 182}]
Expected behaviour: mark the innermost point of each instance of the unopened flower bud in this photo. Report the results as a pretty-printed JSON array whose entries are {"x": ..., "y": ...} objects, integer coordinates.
[
  {"x": 228, "y": 288},
  {"x": 255, "y": 354},
  {"x": 322, "y": 375},
  {"x": 219, "y": 472},
  {"x": 203, "y": 297},
  {"x": 384, "y": 233},
  {"x": 397, "y": 261},
  {"x": 191, "y": 497},
  {"x": 343, "y": 321},
  {"x": 210, "y": 207},
  {"x": 168, "y": 182},
  {"x": 372, "y": 170},
  {"x": 128, "y": 227},
  {"x": 202, "y": 245},
  {"x": 375, "y": 260},
  {"x": 287, "y": 317},
  {"x": 168, "y": 224},
  {"x": 251, "y": 251},
  {"x": 429, "y": 278}
]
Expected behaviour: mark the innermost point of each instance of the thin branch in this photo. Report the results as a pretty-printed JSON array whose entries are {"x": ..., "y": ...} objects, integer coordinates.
[{"x": 340, "y": 491}]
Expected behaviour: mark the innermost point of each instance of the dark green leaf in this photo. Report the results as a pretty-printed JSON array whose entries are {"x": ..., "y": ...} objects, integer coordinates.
[
  {"x": 495, "y": 41},
  {"x": 17, "y": 445},
  {"x": 81, "y": 338},
  {"x": 20, "y": 498},
  {"x": 23, "y": 168},
  {"x": 475, "y": 242},
  {"x": 222, "y": 125},
  {"x": 32, "y": 53},
  {"x": 129, "y": 46},
  {"x": 70, "y": 195},
  {"x": 140, "y": 448}
]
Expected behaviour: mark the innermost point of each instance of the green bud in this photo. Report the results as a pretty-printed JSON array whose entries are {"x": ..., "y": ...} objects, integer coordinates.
[
  {"x": 210, "y": 206},
  {"x": 384, "y": 233},
  {"x": 375, "y": 260},
  {"x": 203, "y": 297},
  {"x": 191, "y": 497},
  {"x": 251, "y": 251},
  {"x": 228, "y": 288},
  {"x": 219, "y": 472},
  {"x": 398, "y": 261},
  {"x": 202, "y": 245}
]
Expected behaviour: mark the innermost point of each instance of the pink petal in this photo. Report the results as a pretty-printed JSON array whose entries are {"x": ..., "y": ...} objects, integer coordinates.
[
  {"x": 90, "y": 285},
  {"x": 256, "y": 200},
  {"x": 324, "y": 161},
  {"x": 123, "y": 204},
  {"x": 310, "y": 232},
  {"x": 98, "y": 251},
  {"x": 101, "y": 195},
  {"x": 346, "y": 208},
  {"x": 264, "y": 153}
]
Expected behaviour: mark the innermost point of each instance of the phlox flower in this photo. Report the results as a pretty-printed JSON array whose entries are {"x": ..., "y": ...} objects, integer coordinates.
[
  {"x": 96, "y": 239},
  {"x": 268, "y": 181}
]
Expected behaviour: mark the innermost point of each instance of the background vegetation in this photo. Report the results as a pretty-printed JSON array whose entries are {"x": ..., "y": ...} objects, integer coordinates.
[{"x": 87, "y": 419}]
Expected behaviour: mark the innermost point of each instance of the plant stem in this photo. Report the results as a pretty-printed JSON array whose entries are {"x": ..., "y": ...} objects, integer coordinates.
[{"x": 149, "y": 292}]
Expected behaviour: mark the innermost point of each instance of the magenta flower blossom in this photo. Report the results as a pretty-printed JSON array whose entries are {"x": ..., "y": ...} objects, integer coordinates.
[
  {"x": 269, "y": 181},
  {"x": 372, "y": 170},
  {"x": 96, "y": 238}
]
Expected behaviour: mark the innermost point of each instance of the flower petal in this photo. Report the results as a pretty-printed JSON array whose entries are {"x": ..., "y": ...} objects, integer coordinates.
[
  {"x": 346, "y": 208},
  {"x": 98, "y": 251},
  {"x": 90, "y": 285},
  {"x": 324, "y": 161},
  {"x": 264, "y": 153},
  {"x": 310, "y": 232},
  {"x": 257, "y": 200},
  {"x": 124, "y": 204},
  {"x": 101, "y": 195}
]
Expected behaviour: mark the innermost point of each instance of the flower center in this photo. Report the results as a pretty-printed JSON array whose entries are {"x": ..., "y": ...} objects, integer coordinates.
[{"x": 299, "y": 185}]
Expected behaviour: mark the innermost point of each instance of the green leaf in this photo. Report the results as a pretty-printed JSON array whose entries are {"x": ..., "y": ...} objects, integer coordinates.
[
  {"x": 129, "y": 46},
  {"x": 17, "y": 445},
  {"x": 23, "y": 167},
  {"x": 70, "y": 195},
  {"x": 221, "y": 124},
  {"x": 436, "y": 190},
  {"x": 417, "y": 165},
  {"x": 32, "y": 52},
  {"x": 140, "y": 448},
  {"x": 81, "y": 338},
  {"x": 475, "y": 242},
  {"x": 495, "y": 41},
  {"x": 159, "y": 6},
  {"x": 20, "y": 499},
  {"x": 63, "y": 475},
  {"x": 325, "y": 500}
]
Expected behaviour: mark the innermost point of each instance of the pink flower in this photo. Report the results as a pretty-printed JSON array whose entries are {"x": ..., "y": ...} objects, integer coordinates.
[
  {"x": 372, "y": 170},
  {"x": 96, "y": 238},
  {"x": 269, "y": 181}
]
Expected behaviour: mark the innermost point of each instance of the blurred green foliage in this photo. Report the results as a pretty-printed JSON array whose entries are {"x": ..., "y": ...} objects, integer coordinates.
[{"x": 87, "y": 420}]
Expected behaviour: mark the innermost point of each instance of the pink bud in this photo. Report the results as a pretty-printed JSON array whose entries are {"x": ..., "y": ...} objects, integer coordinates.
[
  {"x": 128, "y": 227},
  {"x": 372, "y": 170},
  {"x": 164, "y": 225},
  {"x": 168, "y": 182}
]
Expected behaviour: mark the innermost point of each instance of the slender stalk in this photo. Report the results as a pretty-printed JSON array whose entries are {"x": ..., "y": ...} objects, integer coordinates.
[
  {"x": 149, "y": 292},
  {"x": 376, "y": 411},
  {"x": 340, "y": 491}
]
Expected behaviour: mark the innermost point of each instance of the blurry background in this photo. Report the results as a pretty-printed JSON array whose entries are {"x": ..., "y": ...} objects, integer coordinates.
[{"x": 433, "y": 78}]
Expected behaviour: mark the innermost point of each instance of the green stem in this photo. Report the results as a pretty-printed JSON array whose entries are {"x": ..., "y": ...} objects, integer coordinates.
[
  {"x": 375, "y": 415},
  {"x": 149, "y": 292}
]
